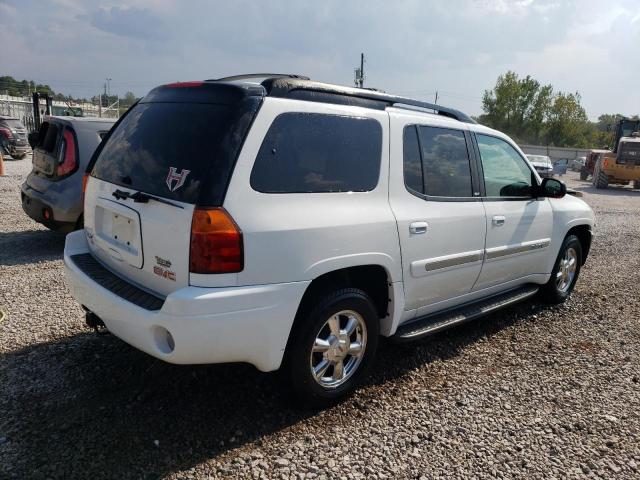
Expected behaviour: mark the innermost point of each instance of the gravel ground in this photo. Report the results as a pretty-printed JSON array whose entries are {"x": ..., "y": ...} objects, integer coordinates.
[{"x": 534, "y": 391}]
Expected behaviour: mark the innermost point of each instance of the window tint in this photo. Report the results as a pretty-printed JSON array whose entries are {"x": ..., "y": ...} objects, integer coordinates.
[
  {"x": 445, "y": 161},
  {"x": 47, "y": 136},
  {"x": 310, "y": 152},
  {"x": 505, "y": 172},
  {"x": 412, "y": 161},
  {"x": 182, "y": 151}
]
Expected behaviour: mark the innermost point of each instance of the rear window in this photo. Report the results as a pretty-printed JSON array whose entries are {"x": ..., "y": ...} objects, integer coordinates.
[
  {"x": 182, "y": 151},
  {"x": 47, "y": 137},
  {"x": 310, "y": 152}
]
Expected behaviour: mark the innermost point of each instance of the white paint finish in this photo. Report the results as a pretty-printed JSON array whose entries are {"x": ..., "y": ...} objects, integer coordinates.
[
  {"x": 455, "y": 228},
  {"x": 209, "y": 325},
  {"x": 300, "y": 236},
  {"x": 525, "y": 221},
  {"x": 165, "y": 232}
]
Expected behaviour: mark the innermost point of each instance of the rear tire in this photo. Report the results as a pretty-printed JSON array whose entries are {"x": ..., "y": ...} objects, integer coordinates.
[
  {"x": 584, "y": 173},
  {"x": 565, "y": 272},
  {"x": 600, "y": 179},
  {"x": 332, "y": 347},
  {"x": 636, "y": 184}
]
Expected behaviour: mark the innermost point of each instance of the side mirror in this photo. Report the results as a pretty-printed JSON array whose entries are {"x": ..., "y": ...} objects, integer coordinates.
[{"x": 552, "y": 188}]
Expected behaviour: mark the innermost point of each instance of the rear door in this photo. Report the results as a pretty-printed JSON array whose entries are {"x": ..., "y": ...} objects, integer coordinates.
[
  {"x": 160, "y": 161},
  {"x": 440, "y": 216}
]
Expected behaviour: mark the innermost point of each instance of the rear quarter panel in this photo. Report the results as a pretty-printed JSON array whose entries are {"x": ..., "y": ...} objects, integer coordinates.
[{"x": 300, "y": 236}]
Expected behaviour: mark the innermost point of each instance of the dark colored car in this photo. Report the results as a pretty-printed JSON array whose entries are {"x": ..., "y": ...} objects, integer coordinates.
[
  {"x": 13, "y": 137},
  {"x": 52, "y": 193}
]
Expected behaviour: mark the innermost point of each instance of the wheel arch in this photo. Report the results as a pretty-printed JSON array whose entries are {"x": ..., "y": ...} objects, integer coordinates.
[
  {"x": 373, "y": 279},
  {"x": 583, "y": 232}
]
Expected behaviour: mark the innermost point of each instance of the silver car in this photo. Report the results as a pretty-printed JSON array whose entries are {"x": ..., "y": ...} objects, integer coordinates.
[
  {"x": 542, "y": 164},
  {"x": 52, "y": 193}
]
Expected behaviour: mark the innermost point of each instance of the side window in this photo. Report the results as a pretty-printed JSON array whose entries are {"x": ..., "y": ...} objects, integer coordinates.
[
  {"x": 411, "y": 159},
  {"x": 445, "y": 161},
  {"x": 505, "y": 172},
  {"x": 311, "y": 152}
]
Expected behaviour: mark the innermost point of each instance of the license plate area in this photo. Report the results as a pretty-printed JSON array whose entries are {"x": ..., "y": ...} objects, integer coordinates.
[{"x": 118, "y": 232}]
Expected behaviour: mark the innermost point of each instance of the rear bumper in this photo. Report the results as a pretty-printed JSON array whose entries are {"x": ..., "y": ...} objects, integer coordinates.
[
  {"x": 38, "y": 210},
  {"x": 65, "y": 209},
  {"x": 207, "y": 325},
  {"x": 17, "y": 149}
]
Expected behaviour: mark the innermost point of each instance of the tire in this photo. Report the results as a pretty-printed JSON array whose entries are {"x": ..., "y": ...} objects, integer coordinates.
[
  {"x": 600, "y": 179},
  {"x": 636, "y": 184},
  {"x": 564, "y": 276},
  {"x": 584, "y": 173},
  {"x": 312, "y": 327},
  {"x": 19, "y": 157}
]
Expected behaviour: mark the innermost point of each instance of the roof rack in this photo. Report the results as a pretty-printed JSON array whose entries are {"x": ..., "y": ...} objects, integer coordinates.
[
  {"x": 305, "y": 89},
  {"x": 249, "y": 76}
]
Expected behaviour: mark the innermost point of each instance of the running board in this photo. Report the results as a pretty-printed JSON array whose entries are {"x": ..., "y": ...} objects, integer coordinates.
[{"x": 436, "y": 322}]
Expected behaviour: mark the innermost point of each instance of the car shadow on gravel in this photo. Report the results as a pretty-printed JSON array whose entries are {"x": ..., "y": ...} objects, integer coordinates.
[
  {"x": 90, "y": 406},
  {"x": 23, "y": 247}
]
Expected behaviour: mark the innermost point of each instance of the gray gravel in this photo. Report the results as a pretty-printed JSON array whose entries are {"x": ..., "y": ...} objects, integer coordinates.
[{"x": 534, "y": 391}]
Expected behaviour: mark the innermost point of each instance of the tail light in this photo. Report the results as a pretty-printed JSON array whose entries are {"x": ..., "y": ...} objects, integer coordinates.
[
  {"x": 216, "y": 242},
  {"x": 5, "y": 132},
  {"x": 68, "y": 160},
  {"x": 85, "y": 179}
]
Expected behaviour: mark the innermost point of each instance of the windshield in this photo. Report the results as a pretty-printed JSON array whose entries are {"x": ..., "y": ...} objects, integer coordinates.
[
  {"x": 541, "y": 159},
  {"x": 181, "y": 151},
  {"x": 13, "y": 124}
]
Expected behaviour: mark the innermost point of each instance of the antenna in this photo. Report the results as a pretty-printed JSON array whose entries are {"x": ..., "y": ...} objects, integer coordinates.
[{"x": 359, "y": 73}]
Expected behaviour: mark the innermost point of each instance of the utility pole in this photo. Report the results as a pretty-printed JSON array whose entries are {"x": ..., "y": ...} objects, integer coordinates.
[
  {"x": 359, "y": 80},
  {"x": 108, "y": 89},
  {"x": 436, "y": 101}
]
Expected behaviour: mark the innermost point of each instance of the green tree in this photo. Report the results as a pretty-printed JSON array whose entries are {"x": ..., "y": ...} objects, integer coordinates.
[{"x": 518, "y": 106}]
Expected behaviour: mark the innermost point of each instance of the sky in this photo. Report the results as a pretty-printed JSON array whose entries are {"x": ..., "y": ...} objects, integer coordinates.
[{"x": 412, "y": 47}]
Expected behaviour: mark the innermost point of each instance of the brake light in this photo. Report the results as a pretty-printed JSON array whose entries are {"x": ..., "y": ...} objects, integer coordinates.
[
  {"x": 216, "y": 242},
  {"x": 184, "y": 84},
  {"x": 6, "y": 133},
  {"x": 69, "y": 161}
]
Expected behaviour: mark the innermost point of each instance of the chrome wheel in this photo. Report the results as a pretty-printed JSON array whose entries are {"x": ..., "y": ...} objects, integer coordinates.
[
  {"x": 567, "y": 270},
  {"x": 338, "y": 349}
]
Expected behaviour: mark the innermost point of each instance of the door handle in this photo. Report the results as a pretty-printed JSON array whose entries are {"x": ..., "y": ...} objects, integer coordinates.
[
  {"x": 498, "y": 220},
  {"x": 417, "y": 228}
]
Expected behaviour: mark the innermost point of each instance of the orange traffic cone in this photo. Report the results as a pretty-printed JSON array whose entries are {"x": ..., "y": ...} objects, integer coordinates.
[{"x": 1, "y": 165}]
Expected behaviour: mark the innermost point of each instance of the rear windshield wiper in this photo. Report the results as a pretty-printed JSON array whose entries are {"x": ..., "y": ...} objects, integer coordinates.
[{"x": 139, "y": 197}]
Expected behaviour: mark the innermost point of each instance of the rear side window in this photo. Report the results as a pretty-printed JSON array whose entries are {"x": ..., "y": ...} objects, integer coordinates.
[
  {"x": 182, "y": 151},
  {"x": 441, "y": 157},
  {"x": 310, "y": 152}
]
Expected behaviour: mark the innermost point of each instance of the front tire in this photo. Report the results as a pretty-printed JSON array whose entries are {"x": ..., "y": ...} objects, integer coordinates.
[
  {"x": 565, "y": 272},
  {"x": 332, "y": 347}
]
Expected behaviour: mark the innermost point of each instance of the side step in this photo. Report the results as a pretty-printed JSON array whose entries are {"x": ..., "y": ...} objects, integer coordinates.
[{"x": 435, "y": 322}]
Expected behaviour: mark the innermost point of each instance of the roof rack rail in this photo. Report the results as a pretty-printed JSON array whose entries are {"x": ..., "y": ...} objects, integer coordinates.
[
  {"x": 317, "y": 91},
  {"x": 249, "y": 76}
]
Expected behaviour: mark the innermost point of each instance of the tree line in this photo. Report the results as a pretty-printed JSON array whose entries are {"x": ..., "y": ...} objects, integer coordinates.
[
  {"x": 23, "y": 88},
  {"x": 532, "y": 113}
]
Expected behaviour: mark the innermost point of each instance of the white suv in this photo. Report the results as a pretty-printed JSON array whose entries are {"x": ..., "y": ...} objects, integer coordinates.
[{"x": 288, "y": 223}]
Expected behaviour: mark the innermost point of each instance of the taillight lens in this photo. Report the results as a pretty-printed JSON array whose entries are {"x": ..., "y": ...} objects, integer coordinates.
[
  {"x": 216, "y": 242},
  {"x": 5, "y": 132},
  {"x": 68, "y": 154}
]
